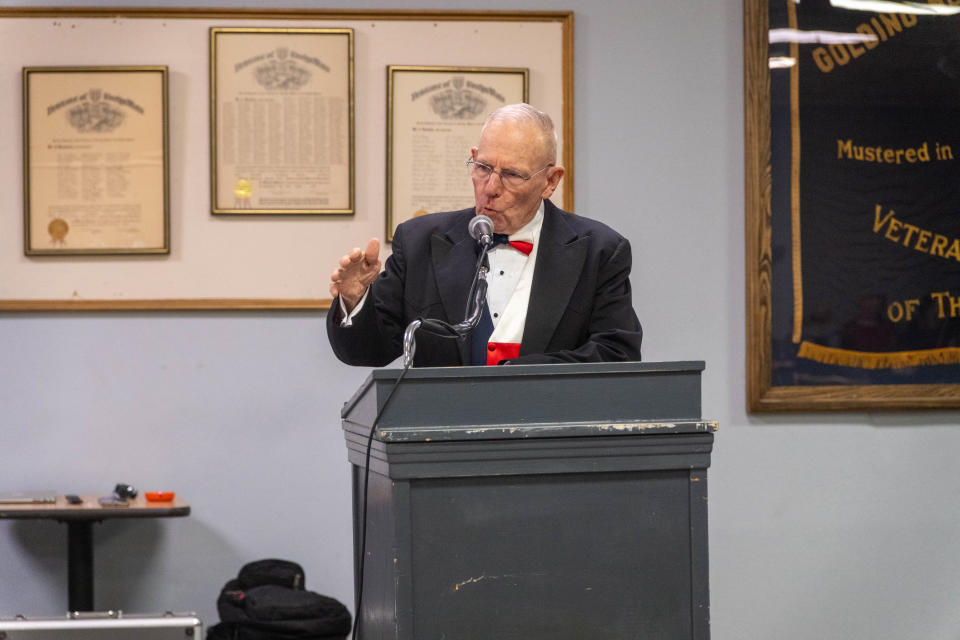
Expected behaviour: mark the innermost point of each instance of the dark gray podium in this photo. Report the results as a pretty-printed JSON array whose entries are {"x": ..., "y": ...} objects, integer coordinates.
[{"x": 534, "y": 501}]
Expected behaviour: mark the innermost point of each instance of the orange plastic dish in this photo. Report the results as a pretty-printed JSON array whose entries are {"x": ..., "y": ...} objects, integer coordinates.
[{"x": 159, "y": 496}]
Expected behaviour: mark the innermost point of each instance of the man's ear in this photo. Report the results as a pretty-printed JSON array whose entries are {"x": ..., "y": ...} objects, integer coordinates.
[{"x": 554, "y": 174}]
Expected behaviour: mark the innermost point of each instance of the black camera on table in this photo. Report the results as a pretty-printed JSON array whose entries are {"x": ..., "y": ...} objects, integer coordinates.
[{"x": 124, "y": 491}]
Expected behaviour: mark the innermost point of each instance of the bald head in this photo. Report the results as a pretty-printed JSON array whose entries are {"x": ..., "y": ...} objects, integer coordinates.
[
  {"x": 516, "y": 155},
  {"x": 523, "y": 113}
]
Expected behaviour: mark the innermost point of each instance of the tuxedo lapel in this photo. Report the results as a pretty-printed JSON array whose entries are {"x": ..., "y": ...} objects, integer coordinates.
[
  {"x": 454, "y": 255},
  {"x": 560, "y": 260}
]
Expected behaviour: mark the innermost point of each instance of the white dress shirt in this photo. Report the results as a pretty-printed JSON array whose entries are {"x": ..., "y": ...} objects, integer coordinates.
[
  {"x": 510, "y": 280},
  {"x": 508, "y": 284}
]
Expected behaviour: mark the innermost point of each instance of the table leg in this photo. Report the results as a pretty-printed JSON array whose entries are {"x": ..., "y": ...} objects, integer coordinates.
[{"x": 80, "y": 565}]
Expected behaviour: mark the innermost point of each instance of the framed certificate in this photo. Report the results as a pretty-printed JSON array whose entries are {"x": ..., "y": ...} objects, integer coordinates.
[
  {"x": 434, "y": 117},
  {"x": 280, "y": 223},
  {"x": 853, "y": 232},
  {"x": 281, "y": 112},
  {"x": 95, "y": 155}
]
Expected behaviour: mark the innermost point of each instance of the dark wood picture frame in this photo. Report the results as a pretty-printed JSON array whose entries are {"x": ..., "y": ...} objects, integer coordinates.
[{"x": 762, "y": 288}]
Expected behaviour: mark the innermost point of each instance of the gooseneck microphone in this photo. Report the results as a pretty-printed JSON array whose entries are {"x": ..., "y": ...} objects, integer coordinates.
[{"x": 481, "y": 230}]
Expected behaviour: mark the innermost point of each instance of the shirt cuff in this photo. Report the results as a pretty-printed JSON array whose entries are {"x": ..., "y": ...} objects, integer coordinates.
[{"x": 348, "y": 317}]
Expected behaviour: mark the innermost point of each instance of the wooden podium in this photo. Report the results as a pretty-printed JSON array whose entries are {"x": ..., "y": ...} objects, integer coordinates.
[{"x": 534, "y": 501}]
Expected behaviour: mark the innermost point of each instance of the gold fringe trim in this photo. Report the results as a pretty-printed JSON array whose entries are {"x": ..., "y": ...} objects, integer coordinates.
[
  {"x": 795, "y": 177},
  {"x": 874, "y": 360}
]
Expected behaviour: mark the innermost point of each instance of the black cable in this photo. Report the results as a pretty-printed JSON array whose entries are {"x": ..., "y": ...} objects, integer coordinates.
[
  {"x": 437, "y": 328},
  {"x": 363, "y": 511}
]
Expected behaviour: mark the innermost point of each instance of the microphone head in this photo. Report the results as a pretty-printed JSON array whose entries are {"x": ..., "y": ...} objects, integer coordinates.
[{"x": 481, "y": 229}]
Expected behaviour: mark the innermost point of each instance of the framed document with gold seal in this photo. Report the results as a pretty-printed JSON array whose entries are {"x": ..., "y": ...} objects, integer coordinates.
[
  {"x": 434, "y": 118},
  {"x": 281, "y": 113},
  {"x": 96, "y": 168}
]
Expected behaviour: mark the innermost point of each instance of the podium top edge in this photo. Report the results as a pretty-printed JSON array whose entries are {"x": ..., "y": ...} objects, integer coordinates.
[
  {"x": 383, "y": 377},
  {"x": 517, "y": 370},
  {"x": 517, "y": 431}
]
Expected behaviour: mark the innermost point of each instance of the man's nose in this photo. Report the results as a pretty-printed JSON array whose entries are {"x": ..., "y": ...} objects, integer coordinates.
[{"x": 494, "y": 184}]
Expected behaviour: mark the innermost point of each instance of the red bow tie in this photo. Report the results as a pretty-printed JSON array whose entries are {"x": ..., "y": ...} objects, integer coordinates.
[{"x": 522, "y": 246}]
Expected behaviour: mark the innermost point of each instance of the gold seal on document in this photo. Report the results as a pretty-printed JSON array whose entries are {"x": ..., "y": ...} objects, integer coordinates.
[
  {"x": 420, "y": 212},
  {"x": 243, "y": 190},
  {"x": 58, "y": 229}
]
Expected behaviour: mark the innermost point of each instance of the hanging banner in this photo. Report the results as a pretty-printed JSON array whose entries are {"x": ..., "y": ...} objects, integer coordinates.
[{"x": 864, "y": 198}]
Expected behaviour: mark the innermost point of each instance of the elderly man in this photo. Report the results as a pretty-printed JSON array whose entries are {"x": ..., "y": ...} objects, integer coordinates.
[{"x": 559, "y": 289}]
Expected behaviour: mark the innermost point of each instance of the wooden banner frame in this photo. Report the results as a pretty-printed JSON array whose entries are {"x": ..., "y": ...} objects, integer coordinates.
[{"x": 762, "y": 395}]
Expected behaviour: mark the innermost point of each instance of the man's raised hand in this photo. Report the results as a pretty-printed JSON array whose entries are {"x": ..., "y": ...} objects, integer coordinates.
[{"x": 357, "y": 271}]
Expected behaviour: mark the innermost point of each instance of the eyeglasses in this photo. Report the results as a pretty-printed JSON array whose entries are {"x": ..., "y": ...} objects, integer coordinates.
[{"x": 510, "y": 178}]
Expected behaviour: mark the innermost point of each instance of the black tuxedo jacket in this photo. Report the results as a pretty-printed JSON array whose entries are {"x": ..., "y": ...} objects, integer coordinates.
[{"x": 580, "y": 308}]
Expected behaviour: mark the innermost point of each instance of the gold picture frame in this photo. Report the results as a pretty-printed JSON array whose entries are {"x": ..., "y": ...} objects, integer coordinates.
[
  {"x": 829, "y": 327},
  {"x": 434, "y": 116},
  {"x": 282, "y": 121},
  {"x": 231, "y": 262},
  {"x": 96, "y": 160}
]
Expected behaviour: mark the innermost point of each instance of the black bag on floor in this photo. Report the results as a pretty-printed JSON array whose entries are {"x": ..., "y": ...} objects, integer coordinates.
[{"x": 268, "y": 601}]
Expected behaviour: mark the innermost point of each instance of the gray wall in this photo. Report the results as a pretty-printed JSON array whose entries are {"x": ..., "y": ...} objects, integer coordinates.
[{"x": 822, "y": 526}]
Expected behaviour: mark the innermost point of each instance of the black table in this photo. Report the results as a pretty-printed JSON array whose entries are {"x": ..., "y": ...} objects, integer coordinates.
[{"x": 79, "y": 520}]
